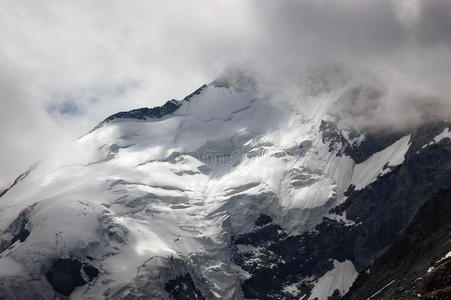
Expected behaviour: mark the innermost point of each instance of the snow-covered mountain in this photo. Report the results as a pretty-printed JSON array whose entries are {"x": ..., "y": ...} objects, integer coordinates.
[{"x": 226, "y": 194}]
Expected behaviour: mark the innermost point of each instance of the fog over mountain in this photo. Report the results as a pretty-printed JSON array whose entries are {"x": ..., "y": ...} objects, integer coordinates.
[
  {"x": 229, "y": 149},
  {"x": 66, "y": 65}
]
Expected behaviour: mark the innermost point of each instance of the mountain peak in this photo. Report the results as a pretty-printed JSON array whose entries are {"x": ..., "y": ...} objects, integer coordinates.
[{"x": 146, "y": 113}]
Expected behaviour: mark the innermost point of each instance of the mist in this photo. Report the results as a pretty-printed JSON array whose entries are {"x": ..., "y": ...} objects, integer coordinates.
[{"x": 65, "y": 66}]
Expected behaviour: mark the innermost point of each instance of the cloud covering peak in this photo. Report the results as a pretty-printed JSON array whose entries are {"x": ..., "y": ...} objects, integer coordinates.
[{"x": 67, "y": 65}]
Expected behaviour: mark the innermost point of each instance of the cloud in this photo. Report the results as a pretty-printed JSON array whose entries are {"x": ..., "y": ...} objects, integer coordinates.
[
  {"x": 66, "y": 65},
  {"x": 434, "y": 23},
  {"x": 329, "y": 30},
  {"x": 402, "y": 48}
]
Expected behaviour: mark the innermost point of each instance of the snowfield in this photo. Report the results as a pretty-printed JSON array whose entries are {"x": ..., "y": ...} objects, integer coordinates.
[
  {"x": 340, "y": 277},
  {"x": 380, "y": 163},
  {"x": 144, "y": 201}
]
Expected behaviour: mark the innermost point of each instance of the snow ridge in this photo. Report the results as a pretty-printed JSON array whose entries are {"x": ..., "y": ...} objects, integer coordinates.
[
  {"x": 176, "y": 182},
  {"x": 380, "y": 163}
]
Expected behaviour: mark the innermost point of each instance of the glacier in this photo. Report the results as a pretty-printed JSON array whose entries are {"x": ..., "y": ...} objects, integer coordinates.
[{"x": 148, "y": 199}]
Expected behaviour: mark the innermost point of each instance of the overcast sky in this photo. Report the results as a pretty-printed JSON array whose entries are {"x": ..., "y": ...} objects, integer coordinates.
[{"x": 66, "y": 65}]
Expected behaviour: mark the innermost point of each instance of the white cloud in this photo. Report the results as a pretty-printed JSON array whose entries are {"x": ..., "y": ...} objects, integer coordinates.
[
  {"x": 99, "y": 58},
  {"x": 66, "y": 65}
]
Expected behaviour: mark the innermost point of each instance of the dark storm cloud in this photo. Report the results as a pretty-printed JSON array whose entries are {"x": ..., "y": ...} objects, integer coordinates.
[
  {"x": 401, "y": 48},
  {"x": 330, "y": 29},
  {"x": 366, "y": 34},
  {"x": 434, "y": 23}
]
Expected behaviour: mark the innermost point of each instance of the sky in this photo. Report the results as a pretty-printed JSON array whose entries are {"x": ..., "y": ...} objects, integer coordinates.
[{"x": 67, "y": 65}]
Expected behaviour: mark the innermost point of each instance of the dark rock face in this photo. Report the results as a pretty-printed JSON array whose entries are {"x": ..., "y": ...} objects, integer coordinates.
[
  {"x": 22, "y": 235},
  {"x": 403, "y": 269},
  {"x": 146, "y": 113},
  {"x": 90, "y": 271},
  {"x": 18, "y": 230},
  {"x": 380, "y": 212},
  {"x": 335, "y": 296},
  {"x": 332, "y": 135},
  {"x": 437, "y": 285},
  {"x": 17, "y": 180},
  {"x": 263, "y": 220},
  {"x": 261, "y": 236},
  {"x": 279, "y": 260},
  {"x": 183, "y": 288},
  {"x": 196, "y": 92},
  {"x": 386, "y": 207},
  {"x": 372, "y": 143},
  {"x": 65, "y": 275}
]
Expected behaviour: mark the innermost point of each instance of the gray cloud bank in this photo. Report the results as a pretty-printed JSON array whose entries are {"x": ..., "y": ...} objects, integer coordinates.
[
  {"x": 67, "y": 65},
  {"x": 402, "y": 48}
]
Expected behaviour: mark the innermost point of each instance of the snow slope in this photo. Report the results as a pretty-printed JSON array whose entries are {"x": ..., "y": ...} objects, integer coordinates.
[
  {"x": 380, "y": 163},
  {"x": 445, "y": 134},
  {"x": 178, "y": 187},
  {"x": 339, "y": 278}
]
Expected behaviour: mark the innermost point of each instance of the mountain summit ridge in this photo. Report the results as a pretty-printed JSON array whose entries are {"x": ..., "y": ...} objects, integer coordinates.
[
  {"x": 146, "y": 113},
  {"x": 228, "y": 193}
]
